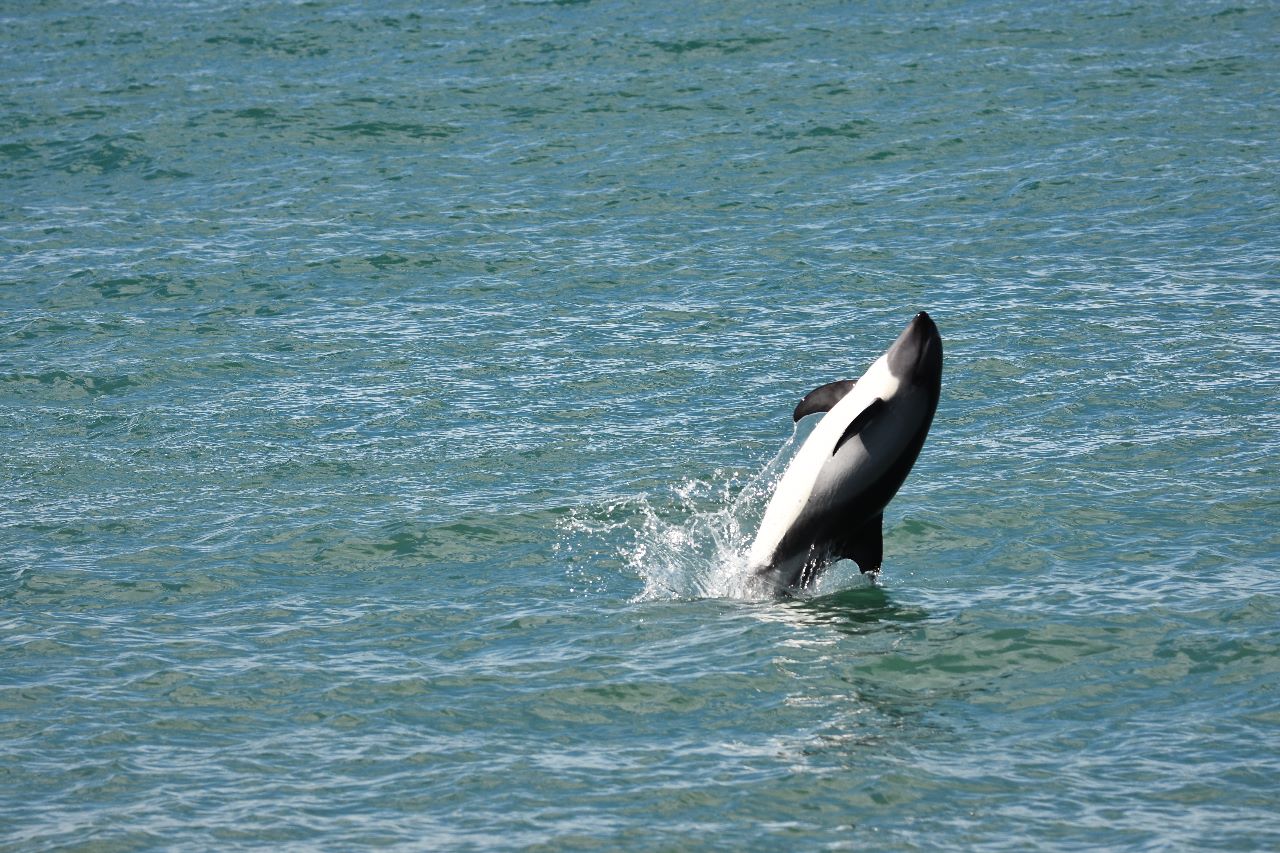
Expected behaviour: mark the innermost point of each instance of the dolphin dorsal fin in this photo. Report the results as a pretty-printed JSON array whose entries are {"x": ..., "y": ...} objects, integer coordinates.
[
  {"x": 822, "y": 398},
  {"x": 865, "y": 546},
  {"x": 855, "y": 426}
]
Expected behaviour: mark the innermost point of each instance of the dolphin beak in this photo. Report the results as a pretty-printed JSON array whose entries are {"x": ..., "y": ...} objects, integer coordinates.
[
  {"x": 923, "y": 328},
  {"x": 917, "y": 352},
  {"x": 930, "y": 363}
]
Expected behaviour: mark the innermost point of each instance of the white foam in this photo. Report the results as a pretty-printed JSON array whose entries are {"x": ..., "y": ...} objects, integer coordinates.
[{"x": 689, "y": 543}]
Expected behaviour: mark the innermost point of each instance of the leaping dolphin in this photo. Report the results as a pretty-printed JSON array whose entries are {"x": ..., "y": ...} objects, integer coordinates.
[{"x": 830, "y": 501}]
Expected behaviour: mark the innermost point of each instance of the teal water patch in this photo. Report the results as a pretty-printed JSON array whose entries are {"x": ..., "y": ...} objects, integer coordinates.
[{"x": 388, "y": 397}]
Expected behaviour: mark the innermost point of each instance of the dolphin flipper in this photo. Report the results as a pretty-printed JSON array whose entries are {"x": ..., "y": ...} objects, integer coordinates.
[
  {"x": 865, "y": 546},
  {"x": 822, "y": 398},
  {"x": 855, "y": 426}
]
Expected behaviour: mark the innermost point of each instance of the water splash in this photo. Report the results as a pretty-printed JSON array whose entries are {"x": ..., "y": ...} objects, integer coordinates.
[{"x": 692, "y": 542}]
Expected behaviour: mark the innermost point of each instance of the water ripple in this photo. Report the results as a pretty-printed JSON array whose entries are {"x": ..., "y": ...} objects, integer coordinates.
[{"x": 389, "y": 395}]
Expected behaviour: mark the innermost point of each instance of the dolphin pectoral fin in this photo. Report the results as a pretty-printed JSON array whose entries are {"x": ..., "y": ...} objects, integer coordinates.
[
  {"x": 865, "y": 546},
  {"x": 855, "y": 426},
  {"x": 822, "y": 398}
]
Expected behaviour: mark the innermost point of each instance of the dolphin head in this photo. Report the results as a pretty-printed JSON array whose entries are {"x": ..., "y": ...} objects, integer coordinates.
[{"x": 915, "y": 358}]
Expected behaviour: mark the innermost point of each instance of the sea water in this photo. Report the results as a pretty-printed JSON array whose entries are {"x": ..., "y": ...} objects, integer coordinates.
[{"x": 388, "y": 393}]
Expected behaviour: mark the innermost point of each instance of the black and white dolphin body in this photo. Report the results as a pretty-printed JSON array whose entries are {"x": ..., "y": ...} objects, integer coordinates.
[{"x": 830, "y": 501}]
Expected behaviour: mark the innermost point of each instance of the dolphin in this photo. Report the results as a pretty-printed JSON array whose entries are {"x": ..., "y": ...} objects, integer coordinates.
[{"x": 829, "y": 504}]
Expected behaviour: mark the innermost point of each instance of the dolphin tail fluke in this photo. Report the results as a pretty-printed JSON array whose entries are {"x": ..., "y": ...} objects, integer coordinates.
[{"x": 865, "y": 546}]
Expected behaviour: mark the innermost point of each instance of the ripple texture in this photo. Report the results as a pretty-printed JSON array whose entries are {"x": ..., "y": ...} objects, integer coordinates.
[{"x": 385, "y": 394}]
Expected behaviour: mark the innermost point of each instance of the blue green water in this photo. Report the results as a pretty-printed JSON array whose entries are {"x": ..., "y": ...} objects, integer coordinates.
[{"x": 388, "y": 392}]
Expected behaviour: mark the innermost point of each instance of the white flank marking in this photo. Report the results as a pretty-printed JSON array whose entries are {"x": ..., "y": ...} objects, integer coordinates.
[{"x": 796, "y": 486}]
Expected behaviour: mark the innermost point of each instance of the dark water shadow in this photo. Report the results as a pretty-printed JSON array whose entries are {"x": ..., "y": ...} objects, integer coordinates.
[{"x": 856, "y": 610}]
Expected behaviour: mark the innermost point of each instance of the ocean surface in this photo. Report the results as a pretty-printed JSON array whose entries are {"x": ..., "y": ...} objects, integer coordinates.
[{"x": 389, "y": 391}]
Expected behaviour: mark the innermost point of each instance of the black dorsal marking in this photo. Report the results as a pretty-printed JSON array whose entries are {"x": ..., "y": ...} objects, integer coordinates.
[
  {"x": 822, "y": 398},
  {"x": 864, "y": 417}
]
